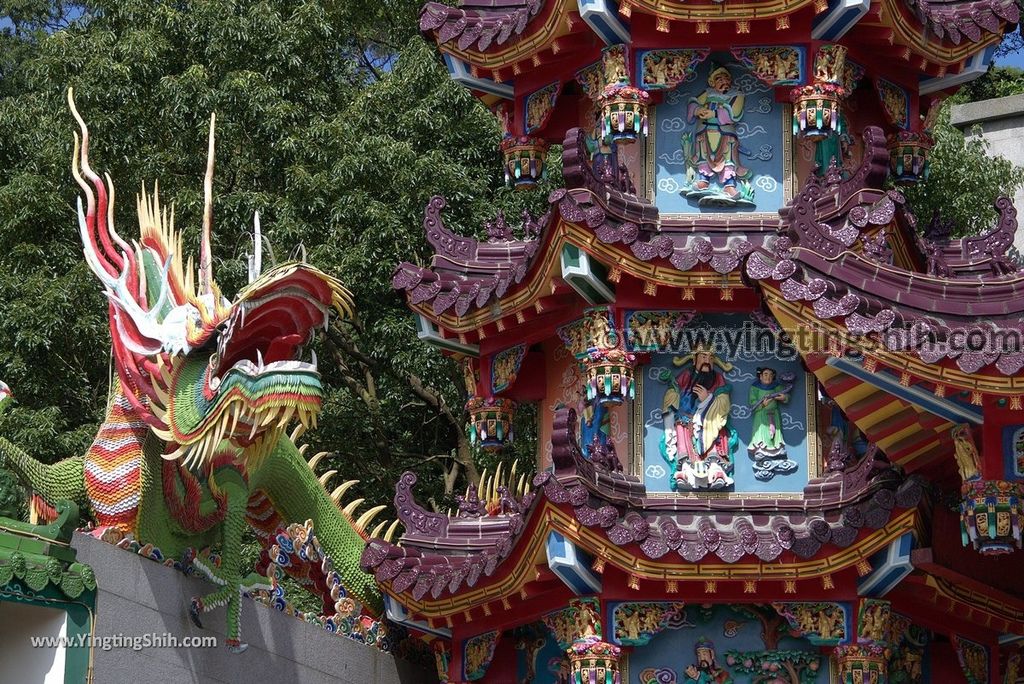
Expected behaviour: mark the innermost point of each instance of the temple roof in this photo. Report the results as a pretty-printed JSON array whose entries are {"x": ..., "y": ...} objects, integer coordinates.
[
  {"x": 832, "y": 248},
  {"x": 960, "y": 20},
  {"x": 442, "y": 556},
  {"x": 478, "y": 23},
  {"x": 497, "y": 40},
  {"x": 466, "y": 274},
  {"x": 826, "y": 257}
]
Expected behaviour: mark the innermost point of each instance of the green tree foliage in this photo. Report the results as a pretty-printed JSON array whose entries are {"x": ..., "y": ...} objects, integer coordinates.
[
  {"x": 966, "y": 175},
  {"x": 998, "y": 81},
  {"x": 335, "y": 121},
  {"x": 965, "y": 179}
]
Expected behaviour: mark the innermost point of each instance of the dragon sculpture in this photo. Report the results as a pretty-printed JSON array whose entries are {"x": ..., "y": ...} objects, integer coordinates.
[{"x": 194, "y": 444}]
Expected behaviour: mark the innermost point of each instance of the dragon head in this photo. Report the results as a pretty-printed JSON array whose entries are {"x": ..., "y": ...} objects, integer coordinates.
[
  {"x": 208, "y": 375},
  {"x": 5, "y": 395}
]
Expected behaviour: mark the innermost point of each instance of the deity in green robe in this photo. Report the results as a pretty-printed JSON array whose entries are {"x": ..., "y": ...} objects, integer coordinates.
[{"x": 766, "y": 394}]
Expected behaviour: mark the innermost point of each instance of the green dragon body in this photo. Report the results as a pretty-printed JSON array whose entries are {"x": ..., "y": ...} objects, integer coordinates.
[{"x": 194, "y": 444}]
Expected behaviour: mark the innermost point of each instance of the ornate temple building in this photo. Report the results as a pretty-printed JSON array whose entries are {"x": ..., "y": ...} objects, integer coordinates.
[{"x": 781, "y": 424}]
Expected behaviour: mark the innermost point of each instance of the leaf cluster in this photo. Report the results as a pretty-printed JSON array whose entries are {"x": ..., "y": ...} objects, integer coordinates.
[{"x": 335, "y": 121}]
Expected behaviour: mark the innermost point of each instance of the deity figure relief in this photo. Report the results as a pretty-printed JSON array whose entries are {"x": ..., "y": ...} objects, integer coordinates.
[
  {"x": 966, "y": 453},
  {"x": 874, "y": 620},
  {"x": 766, "y": 394},
  {"x": 478, "y": 654},
  {"x": 698, "y": 439},
  {"x": 830, "y": 623},
  {"x": 600, "y": 331},
  {"x": 706, "y": 670},
  {"x": 629, "y": 627},
  {"x": 766, "y": 446},
  {"x": 615, "y": 66},
  {"x": 712, "y": 148}
]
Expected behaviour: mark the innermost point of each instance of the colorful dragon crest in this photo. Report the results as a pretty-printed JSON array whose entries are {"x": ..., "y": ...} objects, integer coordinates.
[{"x": 194, "y": 446}]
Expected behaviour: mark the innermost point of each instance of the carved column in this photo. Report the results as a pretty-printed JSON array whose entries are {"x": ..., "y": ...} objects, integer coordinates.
[
  {"x": 817, "y": 106},
  {"x": 865, "y": 660},
  {"x": 990, "y": 515},
  {"x": 490, "y": 422},
  {"x": 589, "y": 659},
  {"x": 623, "y": 107},
  {"x": 442, "y": 659},
  {"x": 991, "y": 511},
  {"x": 592, "y": 661}
]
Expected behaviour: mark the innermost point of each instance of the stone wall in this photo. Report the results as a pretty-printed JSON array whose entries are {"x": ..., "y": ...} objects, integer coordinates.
[
  {"x": 1001, "y": 123},
  {"x": 137, "y": 596}
]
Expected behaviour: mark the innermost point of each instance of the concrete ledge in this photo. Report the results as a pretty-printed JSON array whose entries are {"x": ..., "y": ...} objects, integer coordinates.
[
  {"x": 137, "y": 596},
  {"x": 986, "y": 110}
]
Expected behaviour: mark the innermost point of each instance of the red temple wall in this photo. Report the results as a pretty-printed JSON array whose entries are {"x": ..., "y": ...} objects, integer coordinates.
[{"x": 563, "y": 388}]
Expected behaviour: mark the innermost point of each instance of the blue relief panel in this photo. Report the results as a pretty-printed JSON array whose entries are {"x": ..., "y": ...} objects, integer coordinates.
[
  {"x": 721, "y": 644},
  {"x": 1013, "y": 451},
  {"x": 539, "y": 659},
  {"x": 720, "y": 143},
  {"x": 740, "y": 420}
]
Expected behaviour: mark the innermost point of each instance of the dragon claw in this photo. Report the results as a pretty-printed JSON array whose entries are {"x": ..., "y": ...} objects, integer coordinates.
[
  {"x": 195, "y": 609},
  {"x": 237, "y": 646}
]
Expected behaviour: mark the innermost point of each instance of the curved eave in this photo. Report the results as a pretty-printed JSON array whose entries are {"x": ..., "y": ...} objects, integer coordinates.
[
  {"x": 537, "y": 283},
  {"x": 718, "y": 11},
  {"x": 921, "y": 40},
  {"x": 558, "y": 18},
  {"x": 520, "y": 568},
  {"x": 945, "y": 373},
  {"x": 947, "y": 601}
]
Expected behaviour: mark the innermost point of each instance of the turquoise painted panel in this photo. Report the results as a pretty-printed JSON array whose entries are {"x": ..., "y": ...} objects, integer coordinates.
[
  {"x": 715, "y": 645},
  {"x": 763, "y": 445},
  {"x": 718, "y": 143}
]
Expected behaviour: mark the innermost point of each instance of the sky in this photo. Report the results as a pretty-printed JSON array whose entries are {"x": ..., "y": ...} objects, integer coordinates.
[{"x": 1015, "y": 60}]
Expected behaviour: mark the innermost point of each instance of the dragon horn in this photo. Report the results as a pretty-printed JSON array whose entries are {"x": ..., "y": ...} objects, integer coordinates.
[
  {"x": 206, "y": 249},
  {"x": 351, "y": 506},
  {"x": 342, "y": 488},
  {"x": 367, "y": 517},
  {"x": 315, "y": 461},
  {"x": 379, "y": 528},
  {"x": 325, "y": 478},
  {"x": 256, "y": 258}
]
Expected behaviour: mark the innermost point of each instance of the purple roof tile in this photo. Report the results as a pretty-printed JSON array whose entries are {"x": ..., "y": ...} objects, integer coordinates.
[{"x": 442, "y": 556}]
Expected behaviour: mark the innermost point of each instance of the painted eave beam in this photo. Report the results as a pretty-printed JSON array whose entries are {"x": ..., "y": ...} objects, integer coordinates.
[
  {"x": 943, "y": 408},
  {"x": 429, "y": 333},
  {"x": 584, "y": 276},
  {"x": 397, "y": 613},
  {"x": 603, "y": 17},
  {"x": 842, "y": 15},
  {"x": 571, "y": 565},
  {"x": 889, "y": 567},
  {"x": 976, "y": 66},
  {"x": 461, "y": 74}
]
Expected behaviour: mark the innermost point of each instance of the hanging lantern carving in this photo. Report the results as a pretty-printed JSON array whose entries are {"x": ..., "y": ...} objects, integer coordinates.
[
  {"x": 816, "y": 110},
  {"x": 524, "y": 157},
  {"x": 593, "y": 661},
  {"x": 817, "y": 106},
  {"x": 991, "y": 515},
  {"x": 861, "y": 664},
  {"x": 623, "y": 113},
  {"x": 908, "y": 156},
  {"x": 490, "y": 421},
  {"x": 609, "y": 375}
]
